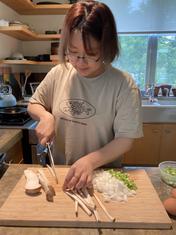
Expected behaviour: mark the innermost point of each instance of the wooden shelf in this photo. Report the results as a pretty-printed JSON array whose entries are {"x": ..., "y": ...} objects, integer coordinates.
[
  {"x": 23, "y": 33},
  {"x": 26, "y": 7},
  {"x": 28, "y": 62}
]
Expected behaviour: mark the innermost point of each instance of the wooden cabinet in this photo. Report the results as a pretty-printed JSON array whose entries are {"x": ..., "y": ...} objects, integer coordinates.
[
  {"x": 11, "y": 144},
  {"x": 145, "y": 150},
  {"x": 15, "y": 154},
  {"x": 157, "y": 145},
  {"x": 168, "y": 143}
]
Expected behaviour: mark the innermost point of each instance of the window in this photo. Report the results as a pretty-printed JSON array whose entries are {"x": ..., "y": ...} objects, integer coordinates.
[
  {"x": 150, "y": 58},
  {"x": 166, "y": 60}
]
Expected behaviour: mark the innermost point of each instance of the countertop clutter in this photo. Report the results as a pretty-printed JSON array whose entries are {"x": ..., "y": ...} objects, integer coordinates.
[{"x": 13, "y": 175}]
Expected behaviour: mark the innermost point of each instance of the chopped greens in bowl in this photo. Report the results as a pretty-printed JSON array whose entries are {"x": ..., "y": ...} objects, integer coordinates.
[{"x": 168, "y": 172}]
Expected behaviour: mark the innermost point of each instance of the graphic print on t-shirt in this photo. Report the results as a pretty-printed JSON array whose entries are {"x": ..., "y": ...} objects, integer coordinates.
[{"x": 77, "y": 108}]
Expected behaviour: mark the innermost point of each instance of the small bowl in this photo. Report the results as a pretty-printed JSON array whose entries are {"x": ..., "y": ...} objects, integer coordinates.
[{"x": 165, "y": 170}]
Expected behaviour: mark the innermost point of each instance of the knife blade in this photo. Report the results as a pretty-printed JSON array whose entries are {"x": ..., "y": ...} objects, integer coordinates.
[{"x": 52, "y": 161}]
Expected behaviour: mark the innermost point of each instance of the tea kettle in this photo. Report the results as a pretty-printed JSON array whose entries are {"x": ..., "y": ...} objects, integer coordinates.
[{"x": 7, "y": 99}]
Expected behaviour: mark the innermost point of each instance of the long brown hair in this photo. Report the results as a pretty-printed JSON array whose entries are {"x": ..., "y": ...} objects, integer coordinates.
[{"x": 93, "y": 19}]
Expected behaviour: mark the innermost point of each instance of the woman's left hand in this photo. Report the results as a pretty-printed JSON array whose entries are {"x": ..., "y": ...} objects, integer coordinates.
[{"x": 79, "y": 175}]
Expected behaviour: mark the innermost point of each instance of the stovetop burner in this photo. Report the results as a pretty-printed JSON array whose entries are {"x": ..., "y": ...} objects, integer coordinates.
[
  {"x": 14, "y": 121},
  {"x": 18, "y": 109},
  {"x": 15, "y": 115}
]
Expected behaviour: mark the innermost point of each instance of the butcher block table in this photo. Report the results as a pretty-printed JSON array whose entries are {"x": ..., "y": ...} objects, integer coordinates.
[{"x": 12, "y": 194}]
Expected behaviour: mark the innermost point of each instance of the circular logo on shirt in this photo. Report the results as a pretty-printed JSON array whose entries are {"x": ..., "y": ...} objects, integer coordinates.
[{"x": 77, "y": 108}]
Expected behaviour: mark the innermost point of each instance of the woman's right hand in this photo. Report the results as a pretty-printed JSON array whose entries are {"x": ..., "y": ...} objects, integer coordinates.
[{"x": 45, "y": 129}]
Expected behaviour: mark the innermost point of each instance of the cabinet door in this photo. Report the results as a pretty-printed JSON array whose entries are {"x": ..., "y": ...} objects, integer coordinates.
[
  {"x": 168, "y": 143},
  {"x": 33, "y": 137},
  {"x": 34, "y": 154},
  {"x": 15, "y": 154},
  {"x": 146, "y": 150}
]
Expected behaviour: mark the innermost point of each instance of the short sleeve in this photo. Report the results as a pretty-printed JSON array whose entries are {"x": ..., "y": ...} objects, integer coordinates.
[
  {"x": 128, "y": 119},
  {"x": 44, "y": 92}
]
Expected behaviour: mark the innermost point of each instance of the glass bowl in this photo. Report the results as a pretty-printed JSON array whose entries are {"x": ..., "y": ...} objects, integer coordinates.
[{"x": 168, "y": 172}]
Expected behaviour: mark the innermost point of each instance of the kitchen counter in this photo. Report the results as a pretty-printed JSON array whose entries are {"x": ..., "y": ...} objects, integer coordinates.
[
  {"x": 14, "y": 173},
  {"x": 161, "y": 111},
  {"x": 6, "y": 132},
  {"x": 8, "y": 138}
]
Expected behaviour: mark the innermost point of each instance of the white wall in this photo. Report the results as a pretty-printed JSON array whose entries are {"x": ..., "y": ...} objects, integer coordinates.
[
  {"x": 40, "y": 24},
  {"x": 8, "y": 45},
  {"x": 7, "y": 13}
]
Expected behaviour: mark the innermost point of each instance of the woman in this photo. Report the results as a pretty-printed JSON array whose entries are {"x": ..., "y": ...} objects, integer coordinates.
[{"x": 90, "y": 110}]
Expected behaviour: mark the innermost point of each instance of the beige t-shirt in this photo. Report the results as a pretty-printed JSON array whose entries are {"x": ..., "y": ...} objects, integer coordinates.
[{"x": 89, "y": 112}]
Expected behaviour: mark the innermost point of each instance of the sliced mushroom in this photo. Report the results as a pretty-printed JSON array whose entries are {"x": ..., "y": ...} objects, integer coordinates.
[
  {"x": 32, "y": 185},
  {"x": 48, "y": 189}
]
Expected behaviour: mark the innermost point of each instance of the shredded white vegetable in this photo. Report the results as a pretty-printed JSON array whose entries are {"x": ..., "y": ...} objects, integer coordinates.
[{"x": 111, "y": 187}]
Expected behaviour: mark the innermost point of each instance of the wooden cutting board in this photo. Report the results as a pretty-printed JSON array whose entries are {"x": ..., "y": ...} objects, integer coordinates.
[{"x": 144, "y": 210}]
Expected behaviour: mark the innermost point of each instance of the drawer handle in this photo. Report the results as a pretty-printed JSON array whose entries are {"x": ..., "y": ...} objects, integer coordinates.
[
  {"x": 167, "y": 131},
  {"x": 155, "y": 131}
]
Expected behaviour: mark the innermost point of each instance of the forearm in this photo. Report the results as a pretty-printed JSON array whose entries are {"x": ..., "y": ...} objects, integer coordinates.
[
  {"x": 37, "y": 111},
  {"x": 109, "y": 152},
  {"x": 45, "y": 129}
]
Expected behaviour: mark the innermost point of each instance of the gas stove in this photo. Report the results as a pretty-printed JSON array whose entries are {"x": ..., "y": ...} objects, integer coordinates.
[{"x": 14, "y": 115}]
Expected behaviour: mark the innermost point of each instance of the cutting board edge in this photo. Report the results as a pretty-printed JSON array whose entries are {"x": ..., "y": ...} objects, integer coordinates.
[{"x": 86, "y": 224}]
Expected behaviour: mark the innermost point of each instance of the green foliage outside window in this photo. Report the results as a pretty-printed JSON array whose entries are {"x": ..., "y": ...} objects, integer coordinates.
[
  {"x": 166, "y": 60},
  {"x": 133, "y": 58}
]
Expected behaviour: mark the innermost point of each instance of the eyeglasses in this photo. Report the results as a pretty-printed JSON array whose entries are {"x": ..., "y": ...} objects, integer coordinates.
[{"x": 74, "y": 57}]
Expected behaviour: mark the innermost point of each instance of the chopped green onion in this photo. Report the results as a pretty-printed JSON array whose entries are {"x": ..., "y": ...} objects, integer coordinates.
[
  {"x": 170, "y": 170},
  {"x": 124, "y": 177}
]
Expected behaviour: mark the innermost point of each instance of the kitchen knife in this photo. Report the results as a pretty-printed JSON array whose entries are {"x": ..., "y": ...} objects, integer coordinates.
[{"x": 52, "y": 161}]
